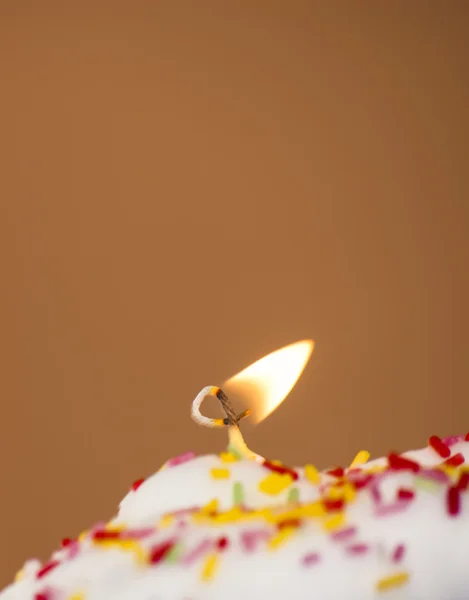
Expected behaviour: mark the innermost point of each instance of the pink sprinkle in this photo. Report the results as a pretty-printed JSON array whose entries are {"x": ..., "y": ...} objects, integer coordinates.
[
  {"x": 310, "y": 559},
  {"x": 249, "y": 539},
  {"x": 451, "y": 440},
  {"x": 202, "y": 548},
  {"x": 357, "y": 548},
  {"x": 398, "y": 553},
  {"x": 137, "y": 534},
  {"x": 179, "y": 460},
  {"x": 391, "y": 509},
  {"x": 73, "y": 549},
  {"x": 344, "y": 534},
  {"x": 375, "y": 493},
  {"x": 434, "y": 475},
  {"x": 45, "y": 594}
]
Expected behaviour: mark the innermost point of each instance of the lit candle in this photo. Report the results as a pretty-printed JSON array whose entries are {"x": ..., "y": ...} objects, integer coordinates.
[{"x": 238, "y": 526}]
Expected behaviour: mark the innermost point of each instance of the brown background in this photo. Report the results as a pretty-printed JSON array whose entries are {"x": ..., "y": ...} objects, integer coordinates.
[{"x": 187, "y": 186}]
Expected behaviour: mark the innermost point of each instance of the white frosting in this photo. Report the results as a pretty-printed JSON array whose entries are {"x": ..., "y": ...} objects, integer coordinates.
[{"x": 436, "y": 556}]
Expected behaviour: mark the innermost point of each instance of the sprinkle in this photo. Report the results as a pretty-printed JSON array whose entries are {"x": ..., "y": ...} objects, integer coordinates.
[
  {"x": 103, "y": 534},
  {"x": 136, "y": 484},
  {"x": 210, "y": 508},
  {"x": 439, "y": 446},
  {"x": 47, "y": 568},
  {"x": 179, "y": 460},
  {"x": 349, "y": 492},
  {"x": 434, "y": 474},
  {"x": 235, "y": 452},
  {"x": 398, "y": 553},
  {"x": 275, "y": 483},
  {"x": 293, "y": 495},
  {"x": 222, "y": 543},
  {"x": 334, "y": 522},
  {"x": 310, "y": 559},
  {"x": 238, "y": 493},
  {"x": 228, "y": 457},
  {"x": 249, "y": 539},
  {"x": 400, "y": 463},
  {"x": 385, "y": 510},
  {"x": 454, "y": 461},
  {"x": 343, "y": 534},
  {"x": 138, "y": 534},
  {"x": 220, "y": 473},
  {"x": 357, "y": 549},
  {"x": 159, "y": 552},
  {"x": 78, "y": 596},
  {"x": 66, "y": 542},
  {"x": 375, "y": 493},
  {"x": 167, "y": 520},
  {"x": 451, "y": 440},
  {"x": 405, "y": 494},
  {"x": 337, "y": 472},
  {"x": 281, "y": 537},
  {"x": 43, "y": 595},
  {"x": 463, "y": 482},
  {"x": 290, "y": 523},
  {"x": 280, "y": 469},
  {"x": 174, "y": 553},
  {"x": 210, "y": 567},
  {"x": 453, "y": 501},
  {"x": 312, "y": 474},
  {"x": 360, "y": 459},
  {"x": 333, "y": 505},
  {"x": 201, "y": 548},
  {"x": 362, "y": 481},
  {"x": 392, "y": 581},
  {"x": 426, "y": 484},
  {"x": 466, "y": 437}
]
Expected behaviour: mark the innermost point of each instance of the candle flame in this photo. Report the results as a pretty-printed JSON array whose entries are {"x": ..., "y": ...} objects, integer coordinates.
[{"x": 266, "y": 383}]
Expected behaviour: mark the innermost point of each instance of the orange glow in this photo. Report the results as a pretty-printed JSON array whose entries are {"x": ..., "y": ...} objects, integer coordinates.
[{"x": 267, "y": 382}]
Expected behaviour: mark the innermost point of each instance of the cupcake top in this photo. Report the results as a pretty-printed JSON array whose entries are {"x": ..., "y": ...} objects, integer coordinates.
[{"x": 224, "y": 527}]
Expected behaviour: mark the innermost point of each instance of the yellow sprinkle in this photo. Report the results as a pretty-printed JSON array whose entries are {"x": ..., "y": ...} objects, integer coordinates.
[
  {"x": 312, "y": 474},
  {"x": 212, "y": 506},
  {"x": 392, "y": 581},
  {"x": 19, "y": 575},
  {"x": 349, "y": 492},
  {"x": 220, "y": 473},
  {"x": 281, "y": 537},
  {"x": 275, "y": 483},
  {"x": 79, "y": 596},
  {"x": 279, "y": 463},
  {"x": 375, "y": 469},
  {"x": 335, "y": 492},
  {"x": 83, "y": 535},
  {"x": 166, "y": 520},
  {"x": 228, "y": 457},
  {"x": 130, "y": 545},
  {"x": 360, "y": 459},
  {"x": 334, "y": 522},
  {"x": 210, "y": 567}
]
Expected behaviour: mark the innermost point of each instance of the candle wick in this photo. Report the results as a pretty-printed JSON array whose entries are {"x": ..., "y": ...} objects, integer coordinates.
[{"x": 232, "y": 419}]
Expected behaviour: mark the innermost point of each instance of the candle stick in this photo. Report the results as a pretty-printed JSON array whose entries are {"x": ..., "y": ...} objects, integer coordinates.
[{"x": 236, "y": 440}]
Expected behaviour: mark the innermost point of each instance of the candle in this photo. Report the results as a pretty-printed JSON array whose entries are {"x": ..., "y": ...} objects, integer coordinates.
[{"x": 236, "y": 525}]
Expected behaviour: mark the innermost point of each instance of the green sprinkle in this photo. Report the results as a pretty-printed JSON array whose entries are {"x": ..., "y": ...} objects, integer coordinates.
[
  {"x": 426, "y": 484},
  {"x": 293, "y": 495},
  {"x": 235, "y": 452},
  {"x": 238, "y": 493},
  {"x": 174, "y": 554}
]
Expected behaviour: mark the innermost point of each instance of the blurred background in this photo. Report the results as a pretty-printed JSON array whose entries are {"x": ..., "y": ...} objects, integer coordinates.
[{"x": 186, "y": 187}]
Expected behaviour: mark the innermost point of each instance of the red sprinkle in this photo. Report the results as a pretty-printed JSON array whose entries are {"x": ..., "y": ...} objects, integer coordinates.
[
  {"x": 66, "y": 542},
  {"x": 102, "y": 534},
  {"x": 289, "y": 523},
  {"x": 400, "y": 463},
  {"x": 439, "y": 446},
  {"x": 47, "y": 568},
  {"x": 338, "y": 472},
  {"x": 333, "y": 505},
  {"x": 136, "y": 484},
  {"x": 463, "y": 482},
  {"x": 362, "y": 482},
  {"x": 467, "y": 437},
  {"x": 453, "y": 501},
  {"x": 398, "y": 553},
  {"x": 222, "y": 543},
  {"x": 42, "y": 596},
  {"x": 455, "y": 460},
  {"x": 281, "y": 469},
  {"x": 158, "y": 552},
  {"x": 404, "y": 494}
]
